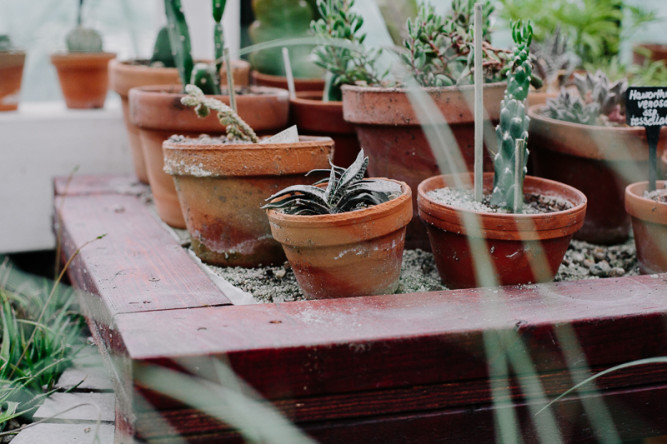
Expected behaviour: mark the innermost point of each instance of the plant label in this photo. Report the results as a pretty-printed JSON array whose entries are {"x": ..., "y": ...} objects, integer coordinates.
[
  {"x": 647, "y": 106},
  {"x": 290, "y": 135}
]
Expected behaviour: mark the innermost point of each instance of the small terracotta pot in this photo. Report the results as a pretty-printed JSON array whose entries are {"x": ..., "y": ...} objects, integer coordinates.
[
  {"x": 222, "y": 187},
  {"x": 159, "y": 114},
  {"x": 522, "y": 248},
  {"x": 649, "y": 225},
  {"x": 124, "y": 75},
  {"x": 300, "y": 84},
  {"x": 389, "y": 131},
  {"x": 347, "y": 254},
  {"x": 600, "y": 161},
  {"x": 11, "y": 73},
  {"x": 658, "y": 52},
  {"x": 663, "y": 164},
  {"x": 84, "y": 78},
  {"x": 317, "y": 118}
]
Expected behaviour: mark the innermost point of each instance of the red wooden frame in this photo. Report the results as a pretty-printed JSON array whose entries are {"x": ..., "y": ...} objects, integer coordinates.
[{"x": 392, "y": 368}]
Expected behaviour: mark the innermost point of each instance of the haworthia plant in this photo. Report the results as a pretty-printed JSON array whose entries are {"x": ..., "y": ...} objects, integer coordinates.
[
  {"x": 346, "y": 190},
  {"x": 81, "y": 39},
  {"x": 513, "y": 124}
]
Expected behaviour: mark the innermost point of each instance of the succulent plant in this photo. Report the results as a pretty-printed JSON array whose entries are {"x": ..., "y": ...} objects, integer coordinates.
[
  {"x": 346, "y": 190},
  {"x": 513, "y": 127},
  {"x": 236, "y": 127},
  {"x": 162, "y": 54},
  {"x": 346, "y": 65},
  {"x": 82, "y": 39},
  {"x": 5, "y": 43},
  {"x": 552, "y": 60},
  {"x": 600, "y": 101},
  {"x": 440, "y": 49},
  {"x": 204, "y": 75}
]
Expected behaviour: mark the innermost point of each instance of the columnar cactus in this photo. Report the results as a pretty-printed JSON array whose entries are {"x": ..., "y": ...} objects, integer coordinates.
[
  {"x": 81, "y": 39},
  {"x": 513, "y": 123},
  {"x": 162, "y": 53}
]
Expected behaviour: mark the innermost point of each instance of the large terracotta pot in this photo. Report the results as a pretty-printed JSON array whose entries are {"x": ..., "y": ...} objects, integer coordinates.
[
  {"x": 124, "y": 75},
  {"x": 649, "y": 225},
  {"x": 300, "y": 84},
  {"x": 11, "y": 73},
  {"x": 658, "y": 52},
  {"x": 221, "y": 188},
  {"x": 600, "y": 161},
  {"x": 347, "y": 254},
  {"x": 390, "y": 133},
  {"x": 158, "y": 112},
  {"x": 84, "y": 78},
  {"x": 317, "y": 118},
  {"x": 522, "y": 248}
]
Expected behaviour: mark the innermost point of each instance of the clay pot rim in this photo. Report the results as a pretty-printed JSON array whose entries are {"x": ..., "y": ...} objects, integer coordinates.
[
  {"x": 195, "y": 148},
  {"x": 430, "y": 89},
  {"x": 313, "y": 81},
  {"x": 159, "y": 90},
  {"x": 533, "y": 113},
  {"x": 395, "y": 205},
  {"x": 314, "y": 98},
  {"x": 83, "y": 55},
  {"x": 500, "y": 225},
  {"x": 642, "y": 208},
  {"x": 125, "y": 66}
]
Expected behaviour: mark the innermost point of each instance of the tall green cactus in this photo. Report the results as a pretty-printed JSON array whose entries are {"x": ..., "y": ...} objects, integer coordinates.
[
  {"x": 162, "y": 53},
  {"x": 513, "y": 125}
]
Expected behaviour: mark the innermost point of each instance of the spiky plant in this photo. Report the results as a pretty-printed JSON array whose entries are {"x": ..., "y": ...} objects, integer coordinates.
[
  {"x": 553, "y": 60},
  {"x": 162, "y": 53},
  {"x": 236, "y": 127},
  {"x": 346, "y": 190},
  {"x": 346, "y": 65},
  {"x": 600, "y": 101},
  {"x": 513, "y": 124}
]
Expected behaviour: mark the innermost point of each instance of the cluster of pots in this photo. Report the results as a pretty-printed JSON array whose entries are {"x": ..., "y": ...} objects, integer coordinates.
[{"x": 216, "y": 190}]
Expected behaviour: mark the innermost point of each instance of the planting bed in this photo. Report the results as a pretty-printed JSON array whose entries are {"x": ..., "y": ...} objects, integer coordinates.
[{"x": 419, "y": 367}]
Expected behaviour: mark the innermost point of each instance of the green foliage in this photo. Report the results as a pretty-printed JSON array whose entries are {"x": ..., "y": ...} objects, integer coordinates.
[
  {"x": 39, "y": 336},
  {"x": 600, "y": 101},
  {"x": 237, "y": 128},
  {"x": 346, "y": 190},
  {"x": 162, "y": 54},
  {"x": 440, "y": 49},
  {"x": 595, "y": 27},
  {"x": 346, "y": 65},
  {"x": 650, "y": 73},
  {"x": 5, "y": 43},
  {"x": 513, "y": 124},
  {"x": 552, "y": 60}
]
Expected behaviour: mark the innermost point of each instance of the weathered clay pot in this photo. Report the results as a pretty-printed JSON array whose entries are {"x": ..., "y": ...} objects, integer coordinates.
[
  {"x": 317, "y": 118},
  {"x": 300, "y": 84},
  {"x": 221, "y": 188},
  {"x": 649, "y": 225},
  {"x": 347, "y": 254},
  {"x": 389, "y": 131},
  {"x": 158, "y": 112},
  {"x": 84, "y": 78},
  {"x": 600, "y": 161},
  {"x": 124, "y": 75},
  {"x": 662, "y": 163},
  {"x": 11, "y": 72},
  {"x": 540, "y": 97},
  {"x": 522, "y": 248},
  {"x": 658, "y": 52}
]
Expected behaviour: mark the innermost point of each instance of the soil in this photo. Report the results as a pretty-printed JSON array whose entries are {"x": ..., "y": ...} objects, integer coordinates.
[
  {"x": 659, "y": 195},
  {"x": 463, "y": 199}
]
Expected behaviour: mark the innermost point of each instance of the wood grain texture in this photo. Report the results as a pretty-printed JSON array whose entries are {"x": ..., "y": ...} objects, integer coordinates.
[{"x": 98, "y": 184}]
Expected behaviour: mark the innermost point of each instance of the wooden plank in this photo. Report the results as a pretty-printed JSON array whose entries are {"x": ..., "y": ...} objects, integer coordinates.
[
  {"x": 137, "y": 266},
  {"x": 98, "y": 184},
  {"x": 66, "y": 434}
]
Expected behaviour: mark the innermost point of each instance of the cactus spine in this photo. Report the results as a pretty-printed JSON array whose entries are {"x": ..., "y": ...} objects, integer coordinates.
[{"x": 513, "y": 125}]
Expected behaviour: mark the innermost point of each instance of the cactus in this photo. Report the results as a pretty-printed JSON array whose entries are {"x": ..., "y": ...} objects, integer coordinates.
[
  {"x": 513, "y": 124},
  {"x": 552, "y": 60},
  {"x": 5, "y": 43},
  {"x": 600, "y": 102},
  {"x": 162, "y": 54},
  {"x": 237, "y": 128},
  {"x": 81, "y": 39}
]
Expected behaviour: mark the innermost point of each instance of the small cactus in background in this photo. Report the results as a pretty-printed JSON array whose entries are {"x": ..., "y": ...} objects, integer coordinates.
[
  {"x": 81, "y": 39},
  {"x": 513, "y": 125},
  {"x": 600, "y": 101},
  {"x": 162, "y": 54},
  {"x": 237, "y": 128},
  {"x": 5, "y": 43},
  {"x": 553, "y": 61}
]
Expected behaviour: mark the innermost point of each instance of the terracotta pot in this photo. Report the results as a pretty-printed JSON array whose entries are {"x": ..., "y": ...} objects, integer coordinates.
[
  {"x": 347, "y": 254},
  {"x": 159, "y": 114},
  {"x": 658, "y": 52},
  {"x": 317, "y": 118},
  {"x": 649, "y": 225},
  {"x": 300, "y": 84},
  {"x": 222, "y": 187},
  {"x": 522, "y": 248},
  {"x": 600, "y": 161},
  {"x": 11, "y": 73},
  {"x": 663, "y": 164},
  {"x": 390, "y": 133},
  {"x": 84, "y": 78},
  {"x": 540, "y": 97},
  {"x": 124, "y": 75}
]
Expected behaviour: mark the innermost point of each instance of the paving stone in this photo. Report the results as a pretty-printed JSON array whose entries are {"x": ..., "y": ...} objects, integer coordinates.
[
  {"x": 66, "y": 434},
  {"x": 94, "y": 379},
  {"x": 58, "y": 402}
]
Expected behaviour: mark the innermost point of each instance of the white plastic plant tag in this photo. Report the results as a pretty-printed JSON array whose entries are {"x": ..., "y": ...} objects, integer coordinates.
[{"x": 290, "y": 135}]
